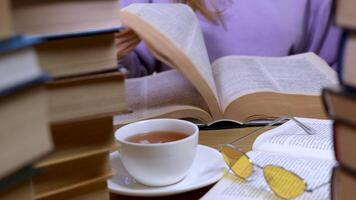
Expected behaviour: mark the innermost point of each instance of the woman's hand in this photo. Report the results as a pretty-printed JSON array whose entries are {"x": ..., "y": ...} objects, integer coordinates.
[{"x": 126, "y": 41}]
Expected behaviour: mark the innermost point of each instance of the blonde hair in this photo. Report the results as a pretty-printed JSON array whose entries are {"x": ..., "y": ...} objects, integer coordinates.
[{"x": 200, "y": 6}]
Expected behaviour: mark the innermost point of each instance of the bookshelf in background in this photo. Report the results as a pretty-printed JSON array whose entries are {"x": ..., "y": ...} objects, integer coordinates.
[
  {"x": 340, "y": 104},
  {"x": 75, "y": 47}
]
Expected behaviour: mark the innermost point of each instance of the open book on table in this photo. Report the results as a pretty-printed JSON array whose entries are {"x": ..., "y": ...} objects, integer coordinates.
[
  {"x": 239, "y": 88},
  {"x": 309, "y": 156}
]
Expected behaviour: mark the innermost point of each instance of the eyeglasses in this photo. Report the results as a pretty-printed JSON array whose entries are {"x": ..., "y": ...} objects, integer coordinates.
[{"x": 281, "y": 181}]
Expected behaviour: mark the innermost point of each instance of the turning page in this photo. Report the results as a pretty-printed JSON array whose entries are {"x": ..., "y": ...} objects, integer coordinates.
[
  {"x": 291, "y": 139},
  {"x": 166, "y": 94},
  {"x": 236, "y": 76},
  {"x": 173, "y": 34}
]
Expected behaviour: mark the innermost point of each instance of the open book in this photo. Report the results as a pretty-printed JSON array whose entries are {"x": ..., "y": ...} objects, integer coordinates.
[
  {"x": 309, "y": 156},
  {"x": 239, "y": 88}
]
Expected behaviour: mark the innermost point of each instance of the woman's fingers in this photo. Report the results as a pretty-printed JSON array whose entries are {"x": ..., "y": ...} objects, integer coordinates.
[
  {"x": 126, "y": 34},
  {"x": 126, "y": 47},
  {"x": 126, "y": 40}
]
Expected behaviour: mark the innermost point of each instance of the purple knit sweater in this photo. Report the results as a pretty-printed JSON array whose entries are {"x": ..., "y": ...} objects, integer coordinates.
[{"x": 257, "y": 28}]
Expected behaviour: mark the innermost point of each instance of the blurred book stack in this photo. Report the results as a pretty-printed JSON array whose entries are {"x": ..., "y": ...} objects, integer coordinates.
[
  {"x": 76, "y": 50},
  {"x": 340, "y": 104},
  {"x": 25, "y": 136}
]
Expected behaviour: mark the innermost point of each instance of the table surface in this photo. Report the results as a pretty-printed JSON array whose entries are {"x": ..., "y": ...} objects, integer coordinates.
[{"x": 210, "y": 138}]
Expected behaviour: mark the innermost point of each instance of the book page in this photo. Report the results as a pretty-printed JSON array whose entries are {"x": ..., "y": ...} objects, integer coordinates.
[
  {"x": 291, "y": 139},
  {"x": 159, "y": 94},
  {"x": 298, "y": 74},
  {"x": 314, "y": 171},
  {"x": 172, "y": 31}
]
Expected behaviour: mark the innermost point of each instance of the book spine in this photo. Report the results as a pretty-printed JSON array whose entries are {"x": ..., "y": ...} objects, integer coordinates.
[
  {"x": 335, "y": 141},
  {"x": 343, "y": 144},
  {"x": 340, "y": 55},
  {"x": 17, "y": 177},
  {"x": 25, "y": 85},
  {"x": 333, "y": 184},
  {"x": 326, "y": 102},
  {"x": 18, "y": 42},
  {"x": 337, "y": 104},
  {"x": 343, "y": 182},
  {"x": 338, "y": 9},
  {"x": 341, "y": 59}
]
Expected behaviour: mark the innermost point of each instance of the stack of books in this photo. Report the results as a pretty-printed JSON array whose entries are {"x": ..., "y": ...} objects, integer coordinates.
[
  {"x": 341, "y": 105},
  {"x": 85, "y": 90},
  {"x": 25, "y": 136}
]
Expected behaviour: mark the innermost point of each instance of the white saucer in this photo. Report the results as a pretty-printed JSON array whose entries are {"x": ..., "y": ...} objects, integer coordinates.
[{"x": 208, "y": 168}]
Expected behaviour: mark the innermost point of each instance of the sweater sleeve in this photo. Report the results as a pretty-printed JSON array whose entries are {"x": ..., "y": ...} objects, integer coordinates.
[
  {"x": 323, "y": 35},
  {"x": 140, "y": 62}
]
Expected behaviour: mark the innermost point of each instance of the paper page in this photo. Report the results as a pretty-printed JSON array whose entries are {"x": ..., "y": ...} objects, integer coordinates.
[
  {"x": 289, "y": 138},
  {"x": 173, "y": 32},
  {"x": 152, "y": 95},
  {"x": 314, "y": 171},
  {"x": 297, "y": 74}
]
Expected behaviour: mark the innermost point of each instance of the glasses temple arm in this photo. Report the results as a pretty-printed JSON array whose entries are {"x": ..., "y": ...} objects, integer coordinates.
[
  {"x": 256, "y": 165},
  {"x": 317, "y": 187},
  {"x": 263, "y": 127},
  {"x": 307, "y": 129}
]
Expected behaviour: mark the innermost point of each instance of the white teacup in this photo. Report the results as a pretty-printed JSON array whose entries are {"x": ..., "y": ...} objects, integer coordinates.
[{"x": 158, "y": 164}]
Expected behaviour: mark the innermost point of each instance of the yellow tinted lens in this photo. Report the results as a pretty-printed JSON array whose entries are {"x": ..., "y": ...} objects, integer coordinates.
[
  {"x": 284, "y": 183},
  {"x": 243, "y": 167},
  {"x": 238, "y": 162},
  {"x": 230, "y": 155}
]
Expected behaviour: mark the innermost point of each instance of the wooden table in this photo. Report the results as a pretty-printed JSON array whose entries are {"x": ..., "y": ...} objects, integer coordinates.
[{"x": 210, "y": 138}]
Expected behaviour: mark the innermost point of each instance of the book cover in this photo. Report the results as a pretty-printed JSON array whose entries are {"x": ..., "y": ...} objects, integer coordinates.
[
  {"x": 62, "y": 17},
  {"x": 343, "y": 184},
  {"x": 346, "y": 61},
  {"x": 340, "y": 104},
  {"x": 25, "y": 132},
  {"x": 86, "y": 97},
  {"x": 344, "y": 143},
  {"x": 345, "y": 13}
]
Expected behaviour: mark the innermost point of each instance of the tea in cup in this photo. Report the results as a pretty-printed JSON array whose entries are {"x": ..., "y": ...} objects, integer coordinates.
[{"x": 158, "y": 152}]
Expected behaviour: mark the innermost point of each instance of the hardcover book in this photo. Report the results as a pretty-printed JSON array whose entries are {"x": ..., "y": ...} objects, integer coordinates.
[
  {"x": 6, "y": 30},
  {"x": 340, "y": 104},
  {"x": 86, "y": 97},
  {"x": 343, "y": 184},
  {"x": 344, "y": 143},
  {"x": 41, "y": 17},
  {"x": 25, "y": 134},
  {"x": 347, "y": 61},
  {"x": 345, "y": 14},
  {"x": 18, "y": 184},
  {"x": 79, "y": 139},
  {"x": 78, "y": 54},
  {"x": 92, "y": 191},
  {"x": 67, "y": 176}
]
